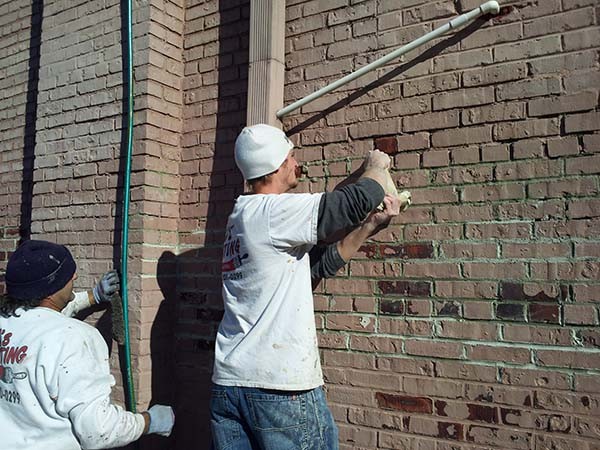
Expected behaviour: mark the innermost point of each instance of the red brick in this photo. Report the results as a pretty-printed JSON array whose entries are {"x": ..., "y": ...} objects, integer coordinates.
[
  {"x": 586, "y": 293},
  {"x": 587, "y": 383},
  {"x": 376, "y": 344},
  {"x": 405, "y": 327},
  {"x": 580, "y": 187},
  {"x": 583, "y": 165},
  {"x": 433, "y": 387},
  {"x": 589, "y": 338},
  {"x": 495, "y": 74},
  {"x": 468, "y": 331},
  {"x": 404, "y": 403},
  {"x": 493, "y": 353},
  {"x": 372, "y": 379},
  {"x": 492, "y": 436},
  {"x": 375, "y": 419},
  {"x": 563, "y": 62},
  {"x": 388, "y": 145},
  {"x": 582, "y": 122},
  {"x": 443, "y": 430},
  {"x": 346, "y": 359},
  {"x": 427, "y": 85},
  {"x": 433, "y": 349},
  {"x": 528, "y": 88},
  {"x": 567, "y": 359},
  {"x": 493, "y": 192},
  {"x": 581, "y": 101},
  {"x": 468, "y": 411},
  {"x": 498, "y": 112},
  {"x": 350, "y": 322},
  {"x": 526, "y": 129},
  {"x": 567, "y": 402},
  {"x": 580, "y": 315},
  {"x": 468, "y": 250},
  {"x": 431, "y": 121},
  {"x": 527, "y": 49},
  {"x": 478, "y": 310},
  {"x": 493, "y": 270},
  {"x": 415, "y": 141},
  {"x": 463, "y": 97},
  {"x": 462, "y": 60},
  {"x": 421, "y": 308},
  {"x": 444, "y": 214},
  {"x": 504, "y": 395},
  {"x": 421, "y": 250}
]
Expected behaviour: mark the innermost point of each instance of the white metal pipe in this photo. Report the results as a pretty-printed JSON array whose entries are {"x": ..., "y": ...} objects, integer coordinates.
[{"x": 491, "y": 7}]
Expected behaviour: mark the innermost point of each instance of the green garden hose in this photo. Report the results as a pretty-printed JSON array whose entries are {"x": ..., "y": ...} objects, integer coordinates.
[{"x": 129, "y": 390}]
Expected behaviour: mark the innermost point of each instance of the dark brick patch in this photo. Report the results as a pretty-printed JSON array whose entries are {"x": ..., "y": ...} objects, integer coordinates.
[
  {"x": 539, "y": 312},
  {"x": 516, "y": 291},
  {"x": 511, "y": 311},
  {"x": 406, "y": 288},
  {"x": 408, "y": 251},
  {"x": 394, "y": 307},
  {"x": 387, "y": 145},
  {"x": 482, "y": 413},
  {"x": 448, "y": 309},
  {"x": 404, "y": 403},
  {"x": 451, "y": 430}
]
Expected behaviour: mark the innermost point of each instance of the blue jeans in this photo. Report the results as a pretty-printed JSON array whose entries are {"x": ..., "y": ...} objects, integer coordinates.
[{"x": 252, "y": 419}]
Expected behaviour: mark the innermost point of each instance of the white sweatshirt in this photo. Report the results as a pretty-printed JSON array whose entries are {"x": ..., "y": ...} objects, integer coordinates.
[
  {"x": 267, "y": 337},
  {"x": 55, "y": 385}
]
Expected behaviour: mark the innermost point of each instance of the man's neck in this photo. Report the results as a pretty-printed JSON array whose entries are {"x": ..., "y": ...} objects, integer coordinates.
[
  {"x": 270, "y": 187},
  {"x": 51, "y": 303}
]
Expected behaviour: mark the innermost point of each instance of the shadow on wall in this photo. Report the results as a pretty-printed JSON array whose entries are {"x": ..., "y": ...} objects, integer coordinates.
[
  {"x": 184, "y": 330},
  {"x": 426, "y": 55},
  {"x": 31, "y": 107},
  {"x": 183, "y": 334}
]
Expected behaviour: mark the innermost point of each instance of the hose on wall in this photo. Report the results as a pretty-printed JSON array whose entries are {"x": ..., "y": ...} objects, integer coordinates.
[{"x": 129, "y": 389}]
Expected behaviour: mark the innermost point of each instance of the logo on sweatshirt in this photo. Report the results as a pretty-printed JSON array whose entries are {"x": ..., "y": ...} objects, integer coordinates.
[
  {"x": 10, "y": 354},
  {"x": 232, "y": 257}
]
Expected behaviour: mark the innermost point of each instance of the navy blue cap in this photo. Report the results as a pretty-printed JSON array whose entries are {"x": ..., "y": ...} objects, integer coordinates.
[{"x": 38, "y": 269}]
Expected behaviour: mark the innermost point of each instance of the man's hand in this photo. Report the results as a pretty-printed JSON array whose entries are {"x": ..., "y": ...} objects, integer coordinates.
[
  {"x": 377, "y": 160},
  {"x": 107, "y": 287},
  {"x": 162, "y": 419},
  {"x": 378, "y": 220}
]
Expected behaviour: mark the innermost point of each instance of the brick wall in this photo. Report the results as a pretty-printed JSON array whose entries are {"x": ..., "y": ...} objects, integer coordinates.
[
  {"x": 215, "y": 90},
  {"x": 472, "y": 322},
  {"x": 63, "y": 134},
  {"x": 16, "y": 104}
]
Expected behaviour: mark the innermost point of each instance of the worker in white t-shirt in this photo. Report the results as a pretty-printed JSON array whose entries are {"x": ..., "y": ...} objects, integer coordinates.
[
  {"x": 267, "y": 391},
  {"x": 55, "y": 379}
]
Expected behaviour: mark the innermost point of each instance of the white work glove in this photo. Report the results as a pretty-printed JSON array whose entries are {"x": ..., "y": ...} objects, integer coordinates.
[
  {"x": 108, "y": 286},
  {"x": 162, "y": 419},
  {"x": 377, "y": 159}
]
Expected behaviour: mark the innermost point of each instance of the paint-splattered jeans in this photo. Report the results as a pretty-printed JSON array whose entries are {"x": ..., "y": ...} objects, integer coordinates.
[{"x": 253, "y": 419}]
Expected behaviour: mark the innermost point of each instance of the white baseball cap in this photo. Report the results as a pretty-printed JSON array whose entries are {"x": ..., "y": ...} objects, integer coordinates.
[{"x": 260, "y": 150}]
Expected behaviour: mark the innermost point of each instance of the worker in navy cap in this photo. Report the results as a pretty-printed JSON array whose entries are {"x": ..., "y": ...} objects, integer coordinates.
[{"x": 55, "y": 379}]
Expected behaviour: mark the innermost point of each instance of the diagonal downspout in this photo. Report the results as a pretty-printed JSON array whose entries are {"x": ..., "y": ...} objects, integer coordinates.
[{"x": 490, "y": 7}]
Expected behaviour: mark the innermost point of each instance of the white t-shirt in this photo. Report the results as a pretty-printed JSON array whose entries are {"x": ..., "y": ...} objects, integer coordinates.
[
  {"x": 267, "y": 337},
  {"x": 55, "y": 385}
]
